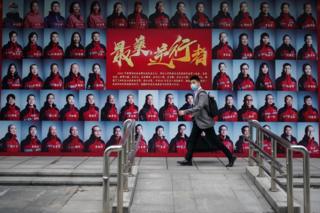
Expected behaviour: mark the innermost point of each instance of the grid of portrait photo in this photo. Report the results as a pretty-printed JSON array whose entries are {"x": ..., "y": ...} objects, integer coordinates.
[{"x": 53, "y": 96}]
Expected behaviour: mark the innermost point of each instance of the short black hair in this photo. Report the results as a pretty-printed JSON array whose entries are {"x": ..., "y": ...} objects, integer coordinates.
[
  {"x": 244, "y": 127},
  {"x": 11, "y": 96},
  {"x": 116, "y": 127},
  {"x": 195, "y": 77},
  {"x": 306, "y": 97}
]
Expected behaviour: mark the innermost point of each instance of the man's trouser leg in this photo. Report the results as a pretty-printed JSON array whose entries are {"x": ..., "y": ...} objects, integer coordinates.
[
  {"x": 194, "y": 136},
  {"x": 214, "y": 139}
]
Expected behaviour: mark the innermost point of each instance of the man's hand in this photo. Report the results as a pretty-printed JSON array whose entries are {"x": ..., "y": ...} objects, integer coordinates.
[{"x": 181, "y": 113}]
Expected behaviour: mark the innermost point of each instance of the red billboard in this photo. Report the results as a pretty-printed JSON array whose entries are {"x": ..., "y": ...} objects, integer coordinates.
[{"x": 145, "y": 60}]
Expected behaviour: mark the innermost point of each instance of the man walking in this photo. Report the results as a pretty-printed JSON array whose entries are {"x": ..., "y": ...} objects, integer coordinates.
[{"x": 202, "y": 122}]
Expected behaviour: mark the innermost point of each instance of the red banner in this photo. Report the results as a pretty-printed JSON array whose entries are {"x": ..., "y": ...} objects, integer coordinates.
[{"x": 157, "y": 59}]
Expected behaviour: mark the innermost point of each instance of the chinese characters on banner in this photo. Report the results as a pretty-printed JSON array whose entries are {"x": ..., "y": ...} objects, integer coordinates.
[{"x": 145, "y": 60}]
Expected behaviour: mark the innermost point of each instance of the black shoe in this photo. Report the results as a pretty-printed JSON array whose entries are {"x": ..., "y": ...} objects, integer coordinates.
[
  {"x": 185, "y": 163},
  {"x": 231, "y": 161}
]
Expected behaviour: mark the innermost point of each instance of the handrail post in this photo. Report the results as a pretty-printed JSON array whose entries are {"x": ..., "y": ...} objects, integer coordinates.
[
  {"x": 260, "y": 143},
  {"x": 251, "y": 163},
  {"x": 106, "y": 185},
  {"x": 289, "y": 181},
  {"x": 120, "y": 183},
  {"x": 273, "y": 170},
  {"x": 127, "y": 125},
  {"x": 306, "y": 182}
]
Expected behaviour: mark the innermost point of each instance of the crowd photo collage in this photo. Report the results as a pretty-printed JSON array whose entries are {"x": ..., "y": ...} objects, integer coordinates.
[{"x": 53, "y": 93}]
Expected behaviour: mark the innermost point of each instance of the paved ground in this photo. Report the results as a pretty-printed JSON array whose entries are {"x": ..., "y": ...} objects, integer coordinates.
[{"x": 163, "y": 187}]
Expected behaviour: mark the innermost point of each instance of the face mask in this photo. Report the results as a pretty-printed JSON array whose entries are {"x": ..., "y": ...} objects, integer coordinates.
[{"x": 194, "y": 87}]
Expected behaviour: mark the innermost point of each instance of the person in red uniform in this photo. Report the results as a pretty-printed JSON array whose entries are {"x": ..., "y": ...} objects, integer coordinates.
[
  {"x": 264, "y": 51},
  {"x": 95, "y": 144},
  {"x": 264, "y": 81},
  {"x": 188, "y": 104},
  {"x": 12, "y": 80},
  {"x": 9, "y": 143},
  {"x": 33, "y": 18},
  {"x": 117, "y": 19},
  {"x": 268, "y": 112},
  {"x": 308, "y": 113},
  {"x": 31, "y": 143},
  {"x": 32, "y": 50},
  {"x": 229, "y": 112},
  {"x": 54, "y": 18},
  {"x": 200, "y": 19},
  {"x": 286, "y": 20},
  {"x": 180, "y": 19},
  {"x": 50, "y": 111},
  {"x": 224, "y": 138},
  {"x": 138, "y": 20},
  {"x": 223, "y": 19},
  {"x": 307, "y": 52},
  {"x": 287, "y": 113},
  {"x": 286, "y": 51},
  {"x": 159, "y": 19},
  {"x": 32, "y": 80},
  {"x": 75, "y": 19},
  {"x": 30, "y": 112},
  {"x": 287, "y": 135},
  {"x": 13, "y": 18},
  {"x": 306, "y": 21},
  {"x": 142, "y": 147},
  {"x": 243, "y": 81},
  {"x": 89, "y": 112},
  {"x": 115, "y": 139},
  {"x": 74, "y": 81},
  {"x": 243, "y": 50},
  {"x": 95, "y": 80},
  {"x": 243, "y": 20},
  {"x": 129, "y": 110},
  {"x": 222, "y": 50},
  {"x": 52, "y": 142},
  {"x": 69, "y": 112},
  {"x": 10, "y": 112},
  {"x": 222, "y": 80},
  {"x": 53, "y": 50},
  {"x": 12, "y": 50},
  {"x": 307, "y": 82},
  {"x": 95, "y": 19},
  {"x": 54, "y": 80},
  {"x": 247, "y": 111},
  {"x": 179, "y": 143},
  {"x": 148, "y": 111},
  {"x": 158, "y": 143},
  {"x": 109, "y": 112},
  {"x": 264, "y": 20},
  {"x": 75, "y": 49},
  {"x": 286, "y": 82},
  {"x": 309, "y": 141},
  {"x": 73, "y": 143},
  {"x": 242, "y": 145},
  {"x": 95, "y": 49},
  {"x": 169, "y": 112}
]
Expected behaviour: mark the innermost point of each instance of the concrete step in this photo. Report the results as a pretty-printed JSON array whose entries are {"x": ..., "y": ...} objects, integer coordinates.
[
  {"x": 52, "y": 172},
  {"x": 278, "y": 199},
  {"x": 298, "y": 182},
  {"x": 53, "y": 181}
]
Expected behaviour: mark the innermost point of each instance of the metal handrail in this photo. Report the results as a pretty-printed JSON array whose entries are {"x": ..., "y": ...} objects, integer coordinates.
[
  {"x": 257, "y": 146},
  {"x": 125, "y": 154}
]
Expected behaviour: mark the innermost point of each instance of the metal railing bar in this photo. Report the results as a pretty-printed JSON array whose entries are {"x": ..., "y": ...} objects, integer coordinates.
[
  {"x": 261, "y": 156},
  {"x": 126, "y": 151}
]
